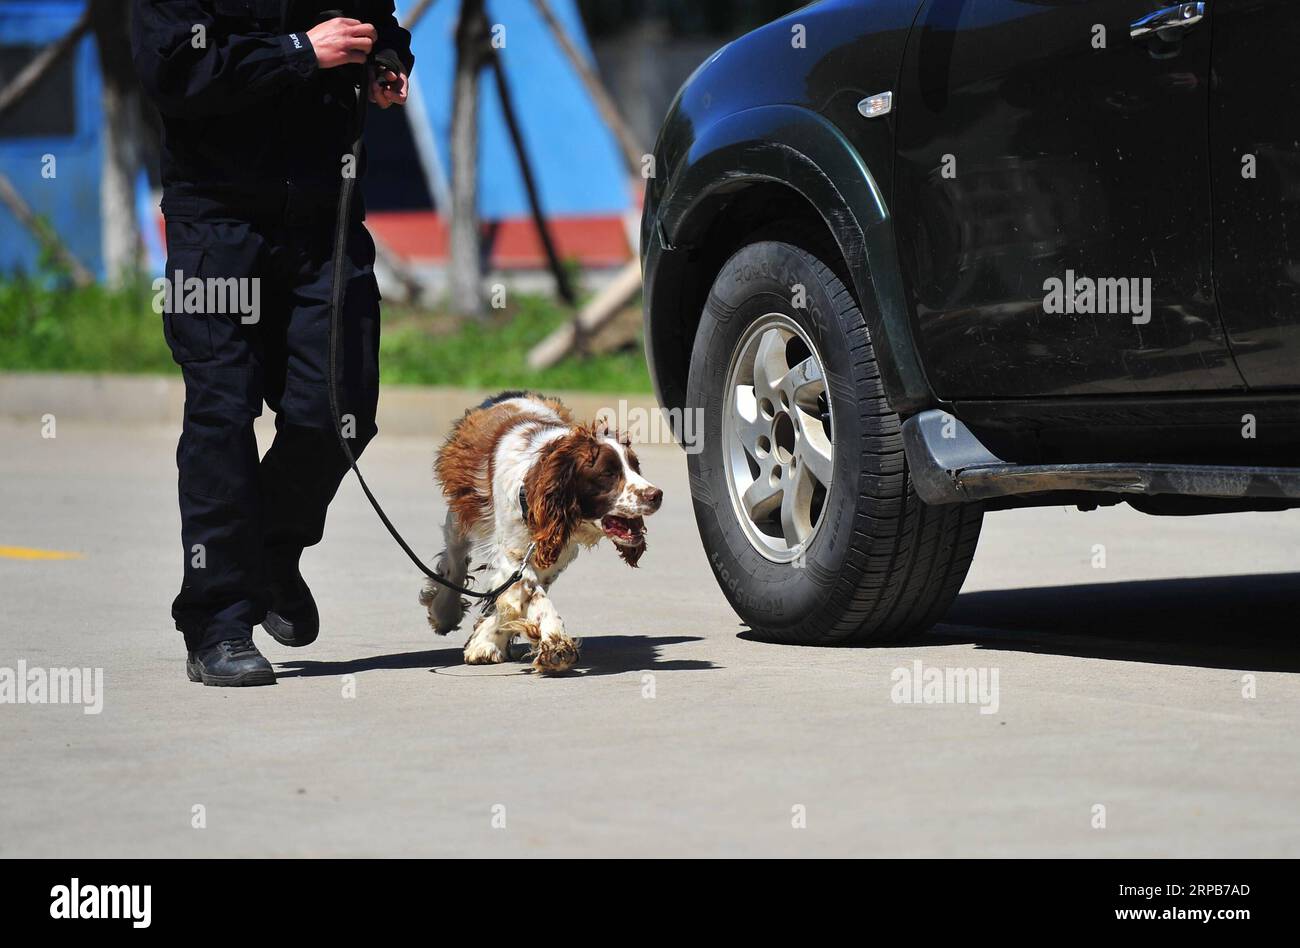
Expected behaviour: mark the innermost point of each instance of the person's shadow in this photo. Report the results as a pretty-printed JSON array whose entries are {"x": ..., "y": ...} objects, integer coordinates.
[
  {"x": 599, "y": 655},
  {"x": 1241, "y": 622},
  {"x": 431, "y": 658}
]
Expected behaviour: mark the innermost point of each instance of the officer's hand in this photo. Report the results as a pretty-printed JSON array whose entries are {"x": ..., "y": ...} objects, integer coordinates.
[
  {"x": 387, "y": 87},
  {"x": 341, "y": 41}
]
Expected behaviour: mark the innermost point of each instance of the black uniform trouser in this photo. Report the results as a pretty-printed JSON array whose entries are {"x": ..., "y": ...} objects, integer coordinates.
[{"x": 244, "y": 520}]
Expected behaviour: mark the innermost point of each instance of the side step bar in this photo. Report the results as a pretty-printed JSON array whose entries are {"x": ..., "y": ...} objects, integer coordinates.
[{"x": 949, "y": 465}]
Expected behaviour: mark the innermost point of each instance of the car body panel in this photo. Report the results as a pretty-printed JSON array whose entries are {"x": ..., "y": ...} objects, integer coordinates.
[
  {"x": 763, "y": 111},
  {"x": 794, "y": 122},
  {"x": 1037, "y": 143},
  {"x": 1255, "y": 161},
  {"x": 791, "y": 145}
]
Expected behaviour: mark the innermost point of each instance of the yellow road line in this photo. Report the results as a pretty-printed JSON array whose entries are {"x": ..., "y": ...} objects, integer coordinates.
[{"x": 25, "y": 553}]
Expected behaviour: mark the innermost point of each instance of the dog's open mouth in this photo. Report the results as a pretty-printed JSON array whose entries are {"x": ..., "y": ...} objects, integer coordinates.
[{"x": 625, "y": 531}]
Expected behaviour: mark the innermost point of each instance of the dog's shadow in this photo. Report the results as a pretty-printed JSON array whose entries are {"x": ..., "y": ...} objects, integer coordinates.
[
  {"x": 600, "y": 655},
  {"x": 620, "y": 654}
]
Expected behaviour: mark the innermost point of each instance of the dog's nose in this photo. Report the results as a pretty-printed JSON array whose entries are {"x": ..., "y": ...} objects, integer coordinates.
[{"x": 654, "y": 497}]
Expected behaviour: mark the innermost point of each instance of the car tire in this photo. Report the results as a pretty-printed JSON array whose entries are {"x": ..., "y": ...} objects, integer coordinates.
[{"x": 860, "y": 559}]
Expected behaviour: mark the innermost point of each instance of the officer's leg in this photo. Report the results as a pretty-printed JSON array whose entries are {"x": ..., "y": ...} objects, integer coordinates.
[
  {"x": 302, "y": 471},
  {"x": 220, "y": 506},
  {"x": 219, "y": 353}
]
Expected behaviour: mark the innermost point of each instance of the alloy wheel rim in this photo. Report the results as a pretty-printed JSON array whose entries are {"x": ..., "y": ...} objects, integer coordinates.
[{"x": 778, "y": 439}]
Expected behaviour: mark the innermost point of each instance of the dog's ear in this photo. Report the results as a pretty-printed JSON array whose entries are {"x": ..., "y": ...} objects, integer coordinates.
[
  {"x": 606, "y": 426},
  {"x": 630, "y": 554},
  {"x": 551, "y": 488}
]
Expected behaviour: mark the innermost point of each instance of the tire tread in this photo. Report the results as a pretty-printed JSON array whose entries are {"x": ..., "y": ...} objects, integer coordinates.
[{"x": 906, "y": 560}]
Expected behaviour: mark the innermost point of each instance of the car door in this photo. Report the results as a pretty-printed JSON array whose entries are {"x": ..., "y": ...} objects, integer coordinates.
[
  {"x": 1053, "y": 200},
  {"x": 1255, "y": 157}
]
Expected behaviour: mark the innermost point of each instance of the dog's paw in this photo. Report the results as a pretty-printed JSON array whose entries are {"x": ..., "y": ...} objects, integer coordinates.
[
  {"x": 445, "y": 607},
  {"x": 444, "y": 625},
  {"x": 484, "y": 653},
  {"x": 555, "y": 655}
]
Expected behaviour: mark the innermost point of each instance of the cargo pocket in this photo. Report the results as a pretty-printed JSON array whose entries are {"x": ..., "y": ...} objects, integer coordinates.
[{"x": 188, "y": 329}]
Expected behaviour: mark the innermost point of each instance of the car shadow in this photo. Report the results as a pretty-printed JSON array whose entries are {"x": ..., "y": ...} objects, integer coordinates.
[
  {"x": 600, "y": 655},
  {"x": 1249, "y": 622}
]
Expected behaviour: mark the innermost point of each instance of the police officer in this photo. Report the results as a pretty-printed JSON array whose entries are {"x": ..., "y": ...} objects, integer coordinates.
[{"x": 257, "y": 99}]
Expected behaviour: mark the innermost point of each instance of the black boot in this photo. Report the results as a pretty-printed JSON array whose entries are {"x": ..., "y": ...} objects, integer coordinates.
[
  {"x": 293, "y": 619},
  {"x": 231, "y": 663}
]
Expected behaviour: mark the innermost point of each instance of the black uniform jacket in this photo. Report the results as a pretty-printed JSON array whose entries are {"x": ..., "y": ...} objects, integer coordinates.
[{"x": 249, "y": 119}]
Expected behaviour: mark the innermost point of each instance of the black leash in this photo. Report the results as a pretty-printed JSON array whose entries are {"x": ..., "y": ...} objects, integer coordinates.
[{"x": 337, "y": 292}]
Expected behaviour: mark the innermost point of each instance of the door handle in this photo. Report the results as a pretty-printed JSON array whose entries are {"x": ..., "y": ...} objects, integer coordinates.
[{"x": 1169, "y": 23}]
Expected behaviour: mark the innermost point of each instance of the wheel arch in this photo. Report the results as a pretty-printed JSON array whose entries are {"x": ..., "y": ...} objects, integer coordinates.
[{"x": 751, "y": 170}]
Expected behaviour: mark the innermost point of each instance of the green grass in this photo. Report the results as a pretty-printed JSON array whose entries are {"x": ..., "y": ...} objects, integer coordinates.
[
  {"x": 47, "y": 328},
  {"x": 494, "y": 355}
]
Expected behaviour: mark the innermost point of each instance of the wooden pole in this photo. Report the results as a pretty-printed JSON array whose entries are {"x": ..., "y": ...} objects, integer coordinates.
[
  {"x": 416, "y": 14},
  {"x": 465, "y": 276},
  {"x": 530, "y": 184},
  {"x": 388, "y": 259},
  {"x": 10, "y": 197},
  {"x": 606, "y": 304},
  {"x": 120, "y": 241},
  {"x": 595, "y": 314},
  {"x": 633, "y": 154}
]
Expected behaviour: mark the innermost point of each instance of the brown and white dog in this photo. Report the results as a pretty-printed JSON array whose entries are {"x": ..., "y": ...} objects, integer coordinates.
[{"x": 517, "y": 471}]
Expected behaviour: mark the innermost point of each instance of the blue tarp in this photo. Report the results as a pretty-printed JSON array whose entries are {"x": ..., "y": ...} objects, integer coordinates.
[
  {"x": 575, "y": 158},
  {"x": 70, "y": 199},
  {"x": 574, "y": 155}
]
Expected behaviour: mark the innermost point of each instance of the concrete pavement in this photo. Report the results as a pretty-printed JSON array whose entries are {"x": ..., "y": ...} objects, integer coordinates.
[{"x": 1125, "y": 686}]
